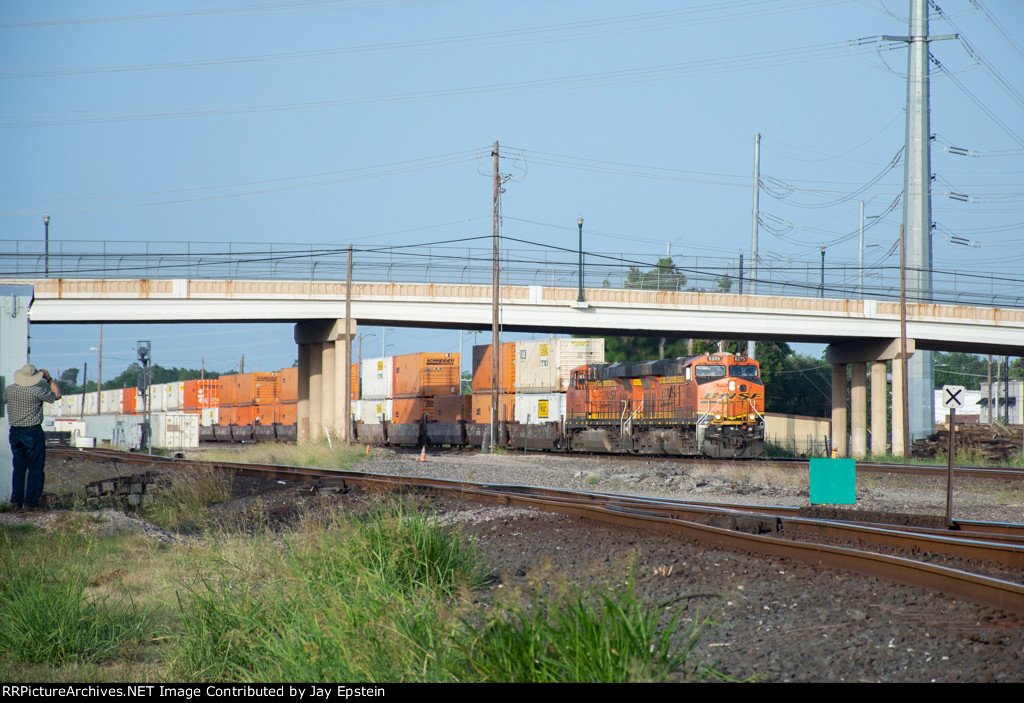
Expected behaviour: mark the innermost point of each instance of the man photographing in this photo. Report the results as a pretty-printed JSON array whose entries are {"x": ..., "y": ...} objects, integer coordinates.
[{"x": 25, "y": 398}]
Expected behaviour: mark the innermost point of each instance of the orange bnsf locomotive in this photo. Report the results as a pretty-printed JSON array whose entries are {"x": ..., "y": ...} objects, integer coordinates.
[{"x": 710, "y": 405}]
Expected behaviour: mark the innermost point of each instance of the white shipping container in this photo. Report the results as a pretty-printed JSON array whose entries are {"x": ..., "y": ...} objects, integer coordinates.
[
  {"x": 174, "y": 395},
  {"x": 89, "y": 403},
  {"x": 378, "y": 378},
  {"x": 375, "y": 411},
  {"x": 110, "y": 402},
  {"x": 544, "y": 365},
  {"x": 208, "y": 417},
  {"x": 174, "y": 430},
  {"x": 72, "y": 406},
  {"x": 538, "y": 408}
]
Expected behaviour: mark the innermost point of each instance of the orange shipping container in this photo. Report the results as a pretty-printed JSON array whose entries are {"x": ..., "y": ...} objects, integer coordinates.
[
  {"x": 452, "y": 408},
  {"x": 128, "y": 401},
  {"x": 226, "y": 415},
  {"x": 426, "y": 374},
  {"x": 482, "y": 370},
  {"x": 288, "y": 381},
  {"x": 282, "y": 414},
  {"x": 257, "y": 388},
  {"x": 228, "y": 385},
  {"x": 201, "y": 393},
  {"x": 406, "y": 410},
  {"x": 482, "y": 407}
]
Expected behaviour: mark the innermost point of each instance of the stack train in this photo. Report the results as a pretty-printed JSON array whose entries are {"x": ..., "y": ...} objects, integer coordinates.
[{"x": 556, "y": 394}]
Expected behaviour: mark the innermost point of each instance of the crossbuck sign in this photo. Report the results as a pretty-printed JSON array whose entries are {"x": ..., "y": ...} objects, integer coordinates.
[{"x": 953, "y": 397}]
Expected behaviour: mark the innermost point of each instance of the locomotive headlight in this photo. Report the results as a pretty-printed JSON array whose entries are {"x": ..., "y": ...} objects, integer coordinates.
[
  {"x": 751, "y": 416},
  {"x": 732, "y": 385},
  {"x": 717, "y": 416}
]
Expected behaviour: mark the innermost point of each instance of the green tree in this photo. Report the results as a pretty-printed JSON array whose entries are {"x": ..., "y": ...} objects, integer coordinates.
[
  {"x": 642, "y": 348},
  {"x": 959, "y": 369},
  {"x": 664, "y": 276}
]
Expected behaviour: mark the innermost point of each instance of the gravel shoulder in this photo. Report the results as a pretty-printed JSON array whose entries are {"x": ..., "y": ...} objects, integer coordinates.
[{"x": 772, "y": 620}]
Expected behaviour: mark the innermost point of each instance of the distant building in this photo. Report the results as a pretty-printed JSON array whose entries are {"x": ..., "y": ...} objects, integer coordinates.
[{"x": 1001, "y": 402}]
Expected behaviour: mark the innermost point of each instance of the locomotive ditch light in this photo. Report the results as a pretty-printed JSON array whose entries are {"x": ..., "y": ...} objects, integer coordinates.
[{"x": 717, "y": 416}]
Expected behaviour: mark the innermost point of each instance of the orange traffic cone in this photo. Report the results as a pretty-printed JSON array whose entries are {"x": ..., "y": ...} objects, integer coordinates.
[
  {"x": 423, "y": 454},
  {"x": 367, "y": 450}
]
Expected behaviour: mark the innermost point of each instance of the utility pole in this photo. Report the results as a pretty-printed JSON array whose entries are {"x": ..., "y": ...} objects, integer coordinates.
[
  {"x": 346, "y": 406},
  {"x": 917, "y": 208},
  {"x": 495, "y": 292},
  {"x": 753, "y": 231}
]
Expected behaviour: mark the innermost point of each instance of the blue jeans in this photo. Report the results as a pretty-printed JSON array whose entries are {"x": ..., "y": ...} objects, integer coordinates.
[{"x": 28, "y": 444}]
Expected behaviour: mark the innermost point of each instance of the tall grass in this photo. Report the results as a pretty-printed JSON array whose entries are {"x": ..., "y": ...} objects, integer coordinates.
[
  {"x": 47, "y": 614},
  {"x": 360, "y": 601},
  {"x": 574, "y": 640},
  {"x": 388, "y": 598},
  {"x": 182, "y": 502},
  {"x": 319, "y": 454}
]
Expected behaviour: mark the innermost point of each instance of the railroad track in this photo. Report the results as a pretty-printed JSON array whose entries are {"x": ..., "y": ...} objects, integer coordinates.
[{"x": 978, "y": 549}]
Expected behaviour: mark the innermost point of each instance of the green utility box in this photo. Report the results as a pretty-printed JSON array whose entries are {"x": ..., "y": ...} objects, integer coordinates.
[{"x": 833, "y": 482}]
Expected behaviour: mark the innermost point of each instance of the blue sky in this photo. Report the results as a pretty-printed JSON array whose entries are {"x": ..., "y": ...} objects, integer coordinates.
[{"x": 337, "y": 122}]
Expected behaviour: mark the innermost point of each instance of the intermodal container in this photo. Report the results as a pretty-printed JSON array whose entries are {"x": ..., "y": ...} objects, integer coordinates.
[
  {"x": 482, "y": 368},
  {"x": 538, "y": 408},
  {"x": 226, "y": 415},
  {"x": 201, "y": 393},
  {"x": 406, "y": 410},
  {"x": 482, "y": 407},
  {"x": 378, "y": 378},
  {"x": 426, "y": 374},
  {"x": 544, "y": 365},
  {"x": 289, "y": 385},
  {"x": 127, "y": 401},
  {"x": 452, "y": 408},
  {"x": 373, "y": 412},
  {"x": 227, "y": 390},
  {"x": 256, "y": 388},
  {"x": 280, "y": 413}
]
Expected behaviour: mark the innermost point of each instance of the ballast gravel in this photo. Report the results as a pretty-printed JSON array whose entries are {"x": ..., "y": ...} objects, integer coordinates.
[{"x": 762, "y": 619}]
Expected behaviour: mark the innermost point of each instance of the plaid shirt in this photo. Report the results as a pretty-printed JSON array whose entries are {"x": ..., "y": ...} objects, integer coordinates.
[{"x": 25, "y": 404}]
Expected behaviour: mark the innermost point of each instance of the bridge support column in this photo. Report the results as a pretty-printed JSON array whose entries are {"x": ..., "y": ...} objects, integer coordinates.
[
  {"x": 859, "y": 411},
  {"x": 877, "y": 352},
  {"x": 302, "y": 391},
  {"x": 316, "y": 392},
  {"x": 328, "y": 381},
  {"x": 839, "y": 410},
  {"x": 325, "y": 351},
  {"x": 879, "y": 388}
]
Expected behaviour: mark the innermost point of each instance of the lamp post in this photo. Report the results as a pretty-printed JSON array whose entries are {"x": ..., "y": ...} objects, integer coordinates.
[
  {"x": 579, "y": 222},
  {"x": 821, "y": 290},
  {"x": 46, "y": 259}
]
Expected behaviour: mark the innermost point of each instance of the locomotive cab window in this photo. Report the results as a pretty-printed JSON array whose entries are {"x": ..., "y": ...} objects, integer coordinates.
[
  {"x": 704, "y": 372},
  {"x": 743, "y": 371}
]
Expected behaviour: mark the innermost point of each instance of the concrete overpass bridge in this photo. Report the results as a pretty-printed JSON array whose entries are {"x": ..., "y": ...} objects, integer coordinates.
[{"x": 859, "y": 332}]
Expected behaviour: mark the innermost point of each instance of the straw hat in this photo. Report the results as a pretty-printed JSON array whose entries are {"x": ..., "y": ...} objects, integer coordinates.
[{"x": 28, "y": 375}]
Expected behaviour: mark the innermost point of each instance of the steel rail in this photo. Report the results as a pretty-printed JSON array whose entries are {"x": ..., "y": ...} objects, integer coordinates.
[{"x": 680, "y": 520}]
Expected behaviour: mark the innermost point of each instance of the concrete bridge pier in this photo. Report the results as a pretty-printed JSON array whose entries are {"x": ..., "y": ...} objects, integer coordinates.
[
  {"x": 858, "y": 355},
  {"x": 325, "y": 353}
]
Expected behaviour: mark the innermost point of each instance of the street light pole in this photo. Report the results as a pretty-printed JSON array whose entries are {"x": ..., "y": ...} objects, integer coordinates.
[
  {"x": 46, "y": 226},
  {"x": 821, "y": 290},
  {"x": 579, "y": 222}
]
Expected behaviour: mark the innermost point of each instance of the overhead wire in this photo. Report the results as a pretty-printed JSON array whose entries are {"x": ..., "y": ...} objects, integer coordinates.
[{"x": 758, "y": 60}]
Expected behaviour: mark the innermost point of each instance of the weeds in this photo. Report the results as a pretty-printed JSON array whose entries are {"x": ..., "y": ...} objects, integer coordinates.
[
  {"x": 574, "y": 640},
  {"x": 182, "y": 503},
  {"x": 48, "y": 618}
]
